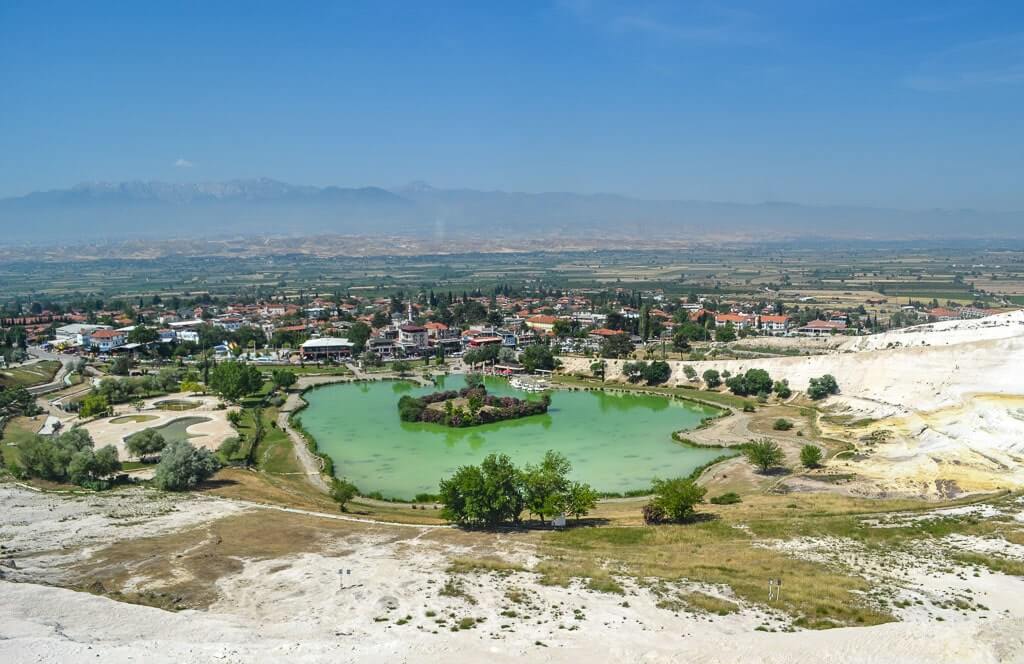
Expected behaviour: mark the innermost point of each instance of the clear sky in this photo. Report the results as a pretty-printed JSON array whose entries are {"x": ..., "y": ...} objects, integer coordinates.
[{"x": 907, "y": 104}]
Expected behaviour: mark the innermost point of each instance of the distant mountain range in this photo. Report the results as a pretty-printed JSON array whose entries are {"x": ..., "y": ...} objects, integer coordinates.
[{"x": 129, "y": 210}]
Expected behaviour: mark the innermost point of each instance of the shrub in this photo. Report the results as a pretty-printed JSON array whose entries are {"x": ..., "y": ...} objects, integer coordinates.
[
  {"x": 712, "y": 379},
  {"x": 730, "y": 498},
  {"x": 782, "y": 389},
  {"x": 653, "y": 514},
  {"x": 145, "y": 443},
  {"x": 748, "y": 407},
  {"x": 782, "y": 424},
  {"x": 810, "y": 456}
]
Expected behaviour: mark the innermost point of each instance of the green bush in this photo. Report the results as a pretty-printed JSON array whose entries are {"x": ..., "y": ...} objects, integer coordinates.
[
  {"x": 782, "y": 424},
  {"x": 811, "y": 456},
  {"x": 730, "y": 498}
]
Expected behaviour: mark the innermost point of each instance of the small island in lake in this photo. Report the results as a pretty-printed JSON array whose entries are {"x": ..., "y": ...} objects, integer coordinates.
[{"x": 470, "y": 406}]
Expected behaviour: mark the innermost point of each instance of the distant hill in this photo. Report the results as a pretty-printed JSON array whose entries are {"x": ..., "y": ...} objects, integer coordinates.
[{"x": 105, "y": 211}]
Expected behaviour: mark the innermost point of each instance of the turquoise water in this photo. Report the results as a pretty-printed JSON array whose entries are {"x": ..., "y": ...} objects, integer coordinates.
[
  {"x": 176, "y": 429},
  {"x": 615, "y": 441}
]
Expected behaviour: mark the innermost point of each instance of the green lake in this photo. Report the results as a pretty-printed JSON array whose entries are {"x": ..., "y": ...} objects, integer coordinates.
[{"x": 615, "y": 441}]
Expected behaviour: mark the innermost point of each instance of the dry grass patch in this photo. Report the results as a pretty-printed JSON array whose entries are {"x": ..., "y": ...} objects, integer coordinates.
[
  {"x": 484, "y": 565},
  {"x": 718, "y": 554}
]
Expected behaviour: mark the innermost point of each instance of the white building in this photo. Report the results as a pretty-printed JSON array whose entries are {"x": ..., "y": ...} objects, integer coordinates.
[{"x": 76, "y": 333}]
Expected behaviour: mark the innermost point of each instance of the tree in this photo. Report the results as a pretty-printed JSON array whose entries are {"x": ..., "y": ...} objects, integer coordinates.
[
  {"x": 370, "y": 359},
  {"x": 764, "y": 453},
  {"x": 359, "y": 334},
  {"x": 342, "y": 491},
  {"x": 617, "y": 345},
  {"x": 545, "y": 484},
  {"x": 486, "y": 495},
  {"x": 233, "y": 380},
  {"x": 598, "y": 369},
  {"x": 675, "y": 499},
  {"x": 401, "y": 366},
  {"x": 191, "y": 386},
  {"x": 657, "y": 372},
  {"x": 86, "y": 467},
  {"x": 283, "y": 378},
  {"x": 474, "y": 380},
  {"x": 183, "y": 466},
  {"x": 562, "y": 328},
  {"x": 782, "y": 389},
  {"x": 578, "y": 500},
  {"x": 726, "y": 333},
  {"x": 67, "y": 457},
  {"x": 379, "y": 320},
  {"x": 712, "y": 379},
  {"x": 121, "y": 365},
  {"x": 819, "y": 388},
  {"x": 93, "y": 405},
  {"x": 143, "y": 335},
  {"x": 537, "y": 356},
  {"x": 689, "y": 371},
  {"x": 754, "y": 381},
  {"x": 235, "y": 417},
  {"x": 810, "y": 456},
  {"x": 145, "y": 443}
]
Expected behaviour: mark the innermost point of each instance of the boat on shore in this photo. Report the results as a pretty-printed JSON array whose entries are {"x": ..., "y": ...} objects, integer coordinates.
[{"x": 528, "y": 384}]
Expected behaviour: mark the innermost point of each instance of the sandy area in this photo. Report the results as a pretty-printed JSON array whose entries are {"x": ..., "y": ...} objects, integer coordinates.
[
  {"x": 376, "y": 593},
  {"x": 209, "y": 434}
]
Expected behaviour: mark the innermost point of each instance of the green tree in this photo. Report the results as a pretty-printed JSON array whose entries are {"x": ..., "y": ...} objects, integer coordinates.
[
  {"x": 359, "y": 334},
  {"x": 401, "y": 366},
  {"x": 810, "y": 456},
  {"x": 474, "y": 380},
  {"x": 726, "y": 333},
  {"x": 782, "y": 389},
  {"x": 145, "y": 443},
  {"x": 616, "y": 346},
  {"x": 183, "y": 466},
  {"x": 545, "y": 484},
  {"x": 143, "y": 335},
  {"x": 94, "y": 405},
  {"x": 121, "y": 365},
  {"x": 598, "y": 369},
  {"x": 233, "y": 380},
  {"x": 764, "y": 453},
  {"x": 578, "y": 500},
  {"x": 819, "y": 388},
  {"x": 283, "y": 378},
  {"x": 537, "y": 356},
  {"x": 657, "y": 372},
  {"x": 712, "y": 379},
  {"x": 676, "y": 498},
  {"x": 486, "y": 495},
  {"x": 343, "y": 491}
]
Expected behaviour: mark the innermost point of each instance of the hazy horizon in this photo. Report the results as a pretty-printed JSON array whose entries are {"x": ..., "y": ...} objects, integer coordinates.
[{"x": 909, "y": 107}]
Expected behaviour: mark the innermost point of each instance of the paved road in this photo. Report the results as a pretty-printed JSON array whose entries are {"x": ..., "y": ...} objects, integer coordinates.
[{"x": 66, "y": 364}]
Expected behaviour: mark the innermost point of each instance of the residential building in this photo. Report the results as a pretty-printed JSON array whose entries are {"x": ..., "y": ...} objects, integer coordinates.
[
  {"x": 772, "y": 324},
  {"x": 104, "y": 341}
]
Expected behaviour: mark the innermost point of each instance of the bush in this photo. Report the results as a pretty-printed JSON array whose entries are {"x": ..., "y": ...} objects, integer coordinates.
[
  {"x": 712, "y": 379},
  {"x": 730, "y": 498},
  {"x": 229, "y": 448},
  {"x": 782, "y": 424},
  {"x": 819, "y": 388},
  {"x": 764, "y": 453},
  {"x": 653, "y": 514},
  {"x": 748, "y": 407},
  {"x": 782, "y": 389},
  {"x": 183, "y": 466},
  {"x": 810, "y": 456}
]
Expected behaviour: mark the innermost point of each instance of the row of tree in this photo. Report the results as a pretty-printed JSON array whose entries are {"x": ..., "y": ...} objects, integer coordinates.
[{"x": 497, "y": 492}]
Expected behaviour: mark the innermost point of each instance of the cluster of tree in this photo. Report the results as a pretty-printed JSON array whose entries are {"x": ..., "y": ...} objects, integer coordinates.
[
  {"x": 183, "y": 466},
  {"x": 480, "y": 407},
  {"x": 233, "y": 380},
  {"x": 654, "y": 373},
  {"x": 116, "y": 390},
  {"x": 16, "y": 401},
  {"x": 537, "y": 356},
  {"x": 712, "y": 379},
  {"x": 13, "y": 343},
  {"x": 484, "y": 355},
  {"x": 283, "y": 378},
  {"x": 673, "y": 500},
  {"x": 819, "y": 388},
  {"x": 616, "y": 346},
  {"x": 497, "y": 492},
  {"x": 754, "y": 381},
  {"x": 68, "y": 457}
]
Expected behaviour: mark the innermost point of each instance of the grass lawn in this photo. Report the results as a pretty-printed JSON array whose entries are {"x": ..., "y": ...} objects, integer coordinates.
[{"x": 27, "y": 376}]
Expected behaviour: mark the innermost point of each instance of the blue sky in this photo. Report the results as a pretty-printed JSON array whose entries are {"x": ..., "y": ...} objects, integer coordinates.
[{"x": 905, "y": 104}]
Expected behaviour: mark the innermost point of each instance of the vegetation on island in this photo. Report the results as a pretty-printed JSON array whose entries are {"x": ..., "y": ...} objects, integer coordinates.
[{"x": 470, "y": 406}]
